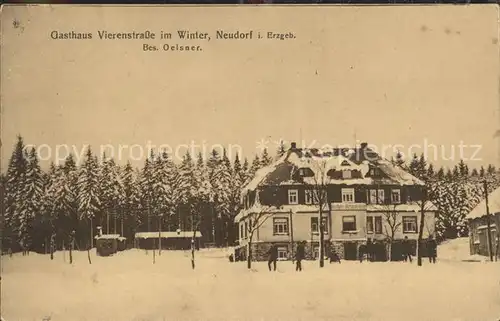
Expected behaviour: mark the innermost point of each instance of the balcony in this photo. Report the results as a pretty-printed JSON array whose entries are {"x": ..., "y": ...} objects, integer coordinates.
[{"x": 348, "y": 206}]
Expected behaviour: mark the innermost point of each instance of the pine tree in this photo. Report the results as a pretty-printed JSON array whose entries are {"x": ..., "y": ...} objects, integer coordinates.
[
  {"x": 456, "y": 172},
  {"x": 256, "y": 165},
  {"x": 14, "y": 186},
  {"x": 281, "y": 149},
  {"x": 440, "y": 174},
  {"x": 463, "y": 170},
  {"x": 33, "y": 193},
  {"x": 482, "y": 172},
  {"x": 413, "y": 168},
  {"x": 399, "y": 161},
  {"x": 491, "y": 169},
  {"x": 430, "y": 171},
  {"x": 88, "y": 196},
  {"x": 109, "y": 188},
  {"x": 245, "y": 171},
  {"x": 147, "y": 186},
  {"x": 265, "y": 159},
  {"x": 130, "y": 202},
  {"x": 474, "y": 173},
  {"x": 204, "y": 195},
  {"x": 422, "y": 168}
]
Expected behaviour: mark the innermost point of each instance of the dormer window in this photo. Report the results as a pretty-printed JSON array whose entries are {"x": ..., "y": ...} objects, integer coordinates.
[
  {"x": 346, "y": 174},
  {"x": 301, "y": 172}
]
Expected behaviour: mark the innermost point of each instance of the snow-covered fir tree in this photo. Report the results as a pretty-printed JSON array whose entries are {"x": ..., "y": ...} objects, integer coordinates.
[
  {"x": 256, "y": 165},
  {"x": 30, "y": 216},
  {"x": 281, "y": 149},
  {"x": 130, "y": 201},
  {"x": 89, "y": 204},
  {"x": 265, "y": 158},
  {"x": 14, "y": 186},
  {"x": 147, "y": 186},
  {"x": 110, "y": 191}
]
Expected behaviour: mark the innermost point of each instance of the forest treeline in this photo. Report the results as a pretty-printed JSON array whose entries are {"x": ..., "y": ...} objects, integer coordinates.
[{"x": 193, "y": 194}]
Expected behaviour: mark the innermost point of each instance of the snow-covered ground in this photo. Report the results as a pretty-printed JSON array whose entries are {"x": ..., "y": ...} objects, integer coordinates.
[{"x": 128, "y": 286}]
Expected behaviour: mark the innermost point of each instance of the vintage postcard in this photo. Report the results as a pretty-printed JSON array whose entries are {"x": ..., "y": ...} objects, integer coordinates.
[{"x": 244, "y": 163}]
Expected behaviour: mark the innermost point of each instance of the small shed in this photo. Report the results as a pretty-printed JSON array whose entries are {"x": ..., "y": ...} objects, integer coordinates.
[
  {"x": 178, "y": 240},
  {"x": 108, "y": 244},
  {"x": 478, "y": 226}
]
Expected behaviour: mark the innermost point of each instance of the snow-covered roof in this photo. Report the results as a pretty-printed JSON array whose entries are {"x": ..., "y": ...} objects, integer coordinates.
[
  {"x": 107, "y": 236},
  {"x": 493, "y": 204},
  {"x": 166, "y": 235},
  {"x": 261, "y": 174},
  {"x": 397, "y": 174},
  {"x": 282, "y": 172}
]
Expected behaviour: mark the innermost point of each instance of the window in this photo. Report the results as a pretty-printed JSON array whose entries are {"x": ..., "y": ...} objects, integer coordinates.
[
  {"x": 282, "y": 253},
  {"x": 372, "y": 196},
  {"x": 323, "y": 197},
  {"x": 345, "y": 163},
  {"x": 242, "y": 231},
  {"x": 381, "y": 196},
  {"x": 348, "y": 195},
  {"x": 293, "y": 196},
  {"x": 348, "y": 223},
  {"x": 246, "y": 229},
  {"x": 346, "y": 174},
  {"x": 396, "y": 196},
  {"x": 315, "y": 225},
  {"x": 369, "y": 224},
  {"x": 378, "y": 224},
  {"x": 408, "y": 197},
  {"x": 316, "y": 252},
  {"x": 280, "y": 226},
  {"x": 409, "y": 224},
  {"x": 375, "y": 196},
  {"x": 301, "y": 172},
  {"x": 309, "y": 196}
]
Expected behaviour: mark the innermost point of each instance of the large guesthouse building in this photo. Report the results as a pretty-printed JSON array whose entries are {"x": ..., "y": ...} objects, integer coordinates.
[{"x": 358, "y": 195}]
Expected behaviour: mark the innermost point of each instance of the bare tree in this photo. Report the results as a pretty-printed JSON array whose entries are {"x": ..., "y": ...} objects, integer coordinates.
[
  {"x": 318, "y": 184},
  {"x": 392, "y": 225},
  {"x": 255, "y": 221},
  {"x": 425, "y": 205}
]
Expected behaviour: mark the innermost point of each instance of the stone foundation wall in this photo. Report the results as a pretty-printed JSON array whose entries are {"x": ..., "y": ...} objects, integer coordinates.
[
  {"x": 260, "y": 250},
  {"x": 339, "y": 248}
]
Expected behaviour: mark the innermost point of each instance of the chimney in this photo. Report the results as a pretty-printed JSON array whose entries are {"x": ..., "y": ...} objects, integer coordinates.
[
  {"x": 363, "y": 145},
  {"x": 293, "y": 145}
]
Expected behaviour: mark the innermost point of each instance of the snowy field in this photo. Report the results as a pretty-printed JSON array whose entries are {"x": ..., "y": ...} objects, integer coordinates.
[{"x": 128, "y": 286}]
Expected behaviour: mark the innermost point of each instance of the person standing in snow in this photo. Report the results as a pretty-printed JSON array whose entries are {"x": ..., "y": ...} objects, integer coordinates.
[
  {"x": 273, "y": 256},
  {"x": 432, "y": 249},
  {"x": 407, "y": 250},
  {"x": 299, "y": 256}
]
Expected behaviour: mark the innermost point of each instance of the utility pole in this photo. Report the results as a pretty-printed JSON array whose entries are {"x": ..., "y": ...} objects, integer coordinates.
[
  {"x": 488, "y": 221},
  {"x": 291, "y": 235}
]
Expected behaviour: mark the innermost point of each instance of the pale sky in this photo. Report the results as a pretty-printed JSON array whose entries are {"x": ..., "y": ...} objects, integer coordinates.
[{"x": 388, "y": 75}]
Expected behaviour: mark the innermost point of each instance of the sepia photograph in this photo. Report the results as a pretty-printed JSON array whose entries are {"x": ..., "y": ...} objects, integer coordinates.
[{"x": 250, "y": 163}]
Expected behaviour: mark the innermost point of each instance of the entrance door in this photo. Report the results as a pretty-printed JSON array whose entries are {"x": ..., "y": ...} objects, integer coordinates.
[{"x": 350, "y": 251}]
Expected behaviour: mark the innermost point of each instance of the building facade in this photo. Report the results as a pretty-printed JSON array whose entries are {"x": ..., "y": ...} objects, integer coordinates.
[
  {"x": 361, "y": 197},
  {"x": 478, "y": 226}
]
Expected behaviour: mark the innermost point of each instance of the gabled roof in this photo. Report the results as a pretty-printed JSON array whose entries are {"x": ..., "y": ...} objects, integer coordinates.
[
  {"x": 361, "y": 159},
  {"x": 493, "y": 205}
]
